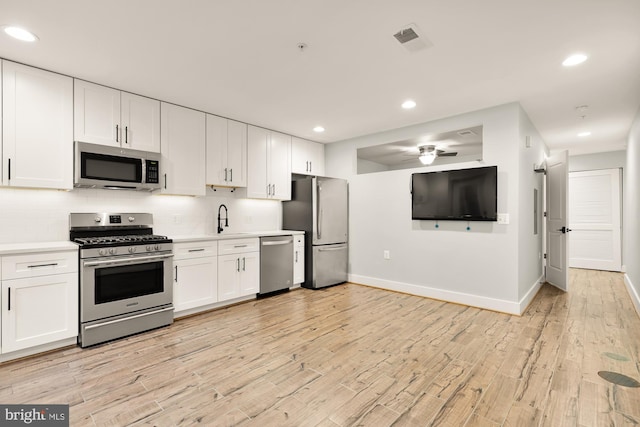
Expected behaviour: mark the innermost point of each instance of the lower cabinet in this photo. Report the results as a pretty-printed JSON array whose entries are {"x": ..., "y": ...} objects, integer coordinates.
[
  {"x": 39, "y": 300},
  {"x": 195, "y": 276},
  {"x": 238, "y": 268},
  {"x": 298, "y": 259}
]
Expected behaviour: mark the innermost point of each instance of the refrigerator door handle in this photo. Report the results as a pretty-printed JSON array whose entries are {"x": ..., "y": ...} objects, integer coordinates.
[
  {"x": 319, "y": 211},
  {"x": 335, "y": 248}
]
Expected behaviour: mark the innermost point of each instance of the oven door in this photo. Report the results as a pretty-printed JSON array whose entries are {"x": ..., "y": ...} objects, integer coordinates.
[{"x": 114, "y": 286}]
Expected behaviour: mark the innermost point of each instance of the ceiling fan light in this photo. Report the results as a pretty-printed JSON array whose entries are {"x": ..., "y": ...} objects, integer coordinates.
[{"x": 427, "y": 158}]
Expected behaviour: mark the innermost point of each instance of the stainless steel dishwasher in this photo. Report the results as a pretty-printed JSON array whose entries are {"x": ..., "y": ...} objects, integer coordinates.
[{"x": 276, "y": 263}]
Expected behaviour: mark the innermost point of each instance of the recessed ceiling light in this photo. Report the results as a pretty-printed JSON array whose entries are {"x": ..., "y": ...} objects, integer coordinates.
[
  {"x": 586, "y": 133},
  {"x": 576, "y": 59},
  {"x": 318, "y": 129},
  {"x": 409, "y": 104},
  {"x": 20, "y": 34}
]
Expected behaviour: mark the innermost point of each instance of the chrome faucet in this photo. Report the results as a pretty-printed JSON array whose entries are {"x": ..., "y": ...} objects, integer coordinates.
[{"x": 226, "y": 218}]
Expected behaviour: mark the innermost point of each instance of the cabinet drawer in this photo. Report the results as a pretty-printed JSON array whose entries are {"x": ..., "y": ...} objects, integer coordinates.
[
  {"x": 39, "y": 264},
  {"x": 237, "y": 246},
  {"x": 194, "y": 250}
]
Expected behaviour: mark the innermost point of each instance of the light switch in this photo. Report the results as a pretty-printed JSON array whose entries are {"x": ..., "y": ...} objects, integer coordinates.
[{"x": 503, "y": 218}]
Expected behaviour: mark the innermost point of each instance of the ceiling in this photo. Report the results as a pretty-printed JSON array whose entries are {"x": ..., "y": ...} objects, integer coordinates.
[
  {"x": 240, "y": 59},
  {"x": 460, "y": 145}
]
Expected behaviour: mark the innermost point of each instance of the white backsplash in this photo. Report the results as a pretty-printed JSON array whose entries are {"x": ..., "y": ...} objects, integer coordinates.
[{"x": 43, "y": 215}]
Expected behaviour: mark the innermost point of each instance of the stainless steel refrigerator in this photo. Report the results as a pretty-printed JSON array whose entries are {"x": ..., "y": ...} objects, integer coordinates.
[{"x": 319, "y": 207}]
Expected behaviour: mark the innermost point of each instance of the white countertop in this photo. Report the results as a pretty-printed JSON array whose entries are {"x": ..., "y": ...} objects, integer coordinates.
[
  {"x": 20, "y": 248},
  {"x": 31, "y": 247},
  {"x": 224, "y": 236}
]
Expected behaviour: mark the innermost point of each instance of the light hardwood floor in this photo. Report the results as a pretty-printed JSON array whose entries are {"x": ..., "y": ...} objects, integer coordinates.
[{"x": 353, "y": 355}]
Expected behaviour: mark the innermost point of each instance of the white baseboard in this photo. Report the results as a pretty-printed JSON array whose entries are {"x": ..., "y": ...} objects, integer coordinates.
[
  {"x": 494, "y": 304},
  {"x": 635, "y": 298},
  {"x": 531, "y": 294}
]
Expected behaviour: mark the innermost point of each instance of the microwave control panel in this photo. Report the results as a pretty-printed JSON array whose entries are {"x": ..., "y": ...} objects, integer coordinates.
[{"x": 153, "y": 171}]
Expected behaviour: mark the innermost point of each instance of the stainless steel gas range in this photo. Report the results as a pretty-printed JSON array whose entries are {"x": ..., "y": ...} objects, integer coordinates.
[{"x": 125, "y": 275}]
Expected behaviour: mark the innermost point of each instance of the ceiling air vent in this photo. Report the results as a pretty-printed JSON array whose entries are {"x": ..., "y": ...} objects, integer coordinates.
[
  {"x": 466, "y": 132},
  {"x": 405, "y": 35},
  {"x": 410, "y": 38}
]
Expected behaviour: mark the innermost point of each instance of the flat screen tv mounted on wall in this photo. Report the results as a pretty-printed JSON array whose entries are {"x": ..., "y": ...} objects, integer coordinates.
[{"x": 462, "y": 194}]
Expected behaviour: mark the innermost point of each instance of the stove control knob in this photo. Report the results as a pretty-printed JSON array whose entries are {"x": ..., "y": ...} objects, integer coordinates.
[
  {"x": 102, "y": 252},
  {"x": 132, "y": 249},
  {"x": 149, "y": 248},
  {"x": 112, "y": 251},
  {"x": 97, "y": 219},
  {"x": 131, "y": 219},
  {"x": 156, "y": 247}
]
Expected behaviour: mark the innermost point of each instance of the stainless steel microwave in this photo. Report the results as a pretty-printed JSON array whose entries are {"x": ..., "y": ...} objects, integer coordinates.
[{"x": 103, "y": 166}]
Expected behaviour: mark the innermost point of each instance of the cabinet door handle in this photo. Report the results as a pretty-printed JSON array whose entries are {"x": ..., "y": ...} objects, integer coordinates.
[
  {"x": 296, "y": 256},
  {"x": 238, "y": 264},
  {"x": 310, "y": 165},
  {"x": 53, "y": 264},
  {"x": 9, "y": 307},
  {"x": 165, "y": 181},
  {"x": 9, "y": 169},
  {"x": 126, "y": 134},
  {"x": 231, "y": 175},
  {"x": 117, "y": 132},
  {"x": 273, "y": 190},
  {"x": 176, "y": 277},
  {"x": 196, "y": 250},
  {"x": 225, "y": 174},
  {"x": 244, "y": 264}
]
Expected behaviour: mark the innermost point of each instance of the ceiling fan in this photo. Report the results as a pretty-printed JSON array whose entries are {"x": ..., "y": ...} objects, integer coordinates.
[{"x": 428, "y": 153}]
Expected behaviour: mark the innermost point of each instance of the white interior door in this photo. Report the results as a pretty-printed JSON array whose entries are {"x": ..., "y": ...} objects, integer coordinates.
[
  {"x": 594, "y": 204},
  {"x": 557, "y": 270}
]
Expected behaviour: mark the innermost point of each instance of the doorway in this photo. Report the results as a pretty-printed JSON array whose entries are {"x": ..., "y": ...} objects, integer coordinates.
[{"x": 595, "y": 220}]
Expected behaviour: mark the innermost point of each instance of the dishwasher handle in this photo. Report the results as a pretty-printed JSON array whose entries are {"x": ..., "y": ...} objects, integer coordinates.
[{"x": 277, "y": 242}]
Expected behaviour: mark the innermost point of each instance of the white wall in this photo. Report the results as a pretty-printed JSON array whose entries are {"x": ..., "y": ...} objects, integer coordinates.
[
  {"x": 631, "y": 205},
  {"x": 605, "y": 160},
  {"x": 530, "y": 248},
  {"x": 43, "y": 215},
  {"x": 476, "y": 267}
]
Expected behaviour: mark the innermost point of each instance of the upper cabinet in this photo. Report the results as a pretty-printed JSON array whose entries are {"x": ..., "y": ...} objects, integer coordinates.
[
  {"x": 182, "y": 166},
  {"x": 110, "y": 117},
  {"x": 226, "y": 152},
  {"x": 268, "y": 164},
  {"x": 37, "y": 128},
  {"x": 307, "y": 157}
]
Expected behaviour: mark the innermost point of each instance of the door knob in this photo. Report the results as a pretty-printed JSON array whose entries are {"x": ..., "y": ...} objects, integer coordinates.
[{"x": 564, "y": 230}]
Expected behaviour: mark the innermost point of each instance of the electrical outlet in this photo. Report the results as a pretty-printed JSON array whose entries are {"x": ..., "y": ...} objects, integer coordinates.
[
  {"x": 387, "y": 255},
  {"x": 503, "y": 218}
]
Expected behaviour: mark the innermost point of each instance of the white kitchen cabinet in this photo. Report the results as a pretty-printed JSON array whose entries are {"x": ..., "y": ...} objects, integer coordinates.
[
  {"x": 307, "y": 157},
  {"x": 107, "y": 116},
  {"x": 268, "y": 164},
  {"x": 195, "y": 275},
  {"x": 182, "y": 166},
  {"x": 238, "y": 268},
  {"x": 298, "y": 259},
  {"x": 226, "y": 152},
  {"x": 39, "y": 299},
  {"x": 37, "y": 128}
]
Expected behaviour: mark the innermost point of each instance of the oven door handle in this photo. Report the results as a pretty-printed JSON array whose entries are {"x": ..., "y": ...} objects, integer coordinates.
[{"x": 133, "y": 260}]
